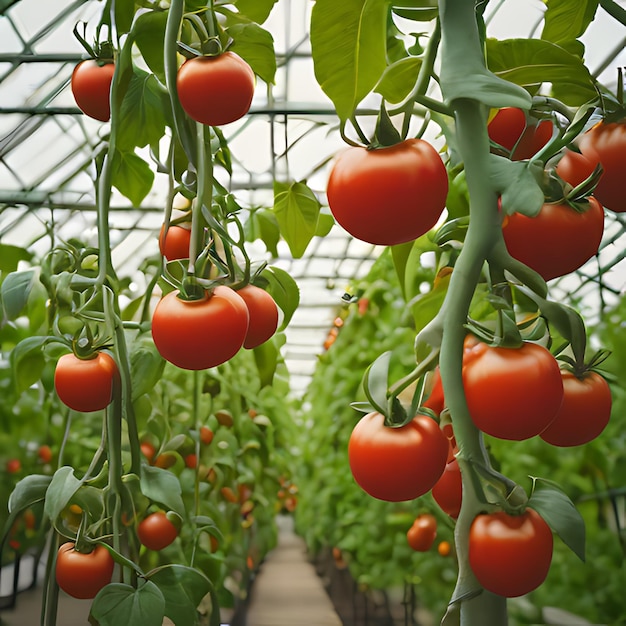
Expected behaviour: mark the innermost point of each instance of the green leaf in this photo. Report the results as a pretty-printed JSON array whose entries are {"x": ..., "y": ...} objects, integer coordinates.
[
  {"x": 348, "y": 41},
  {"x": 399, "y": 79},
  {"x": 161, "y": 486},
  {"x": 297, "y": 211},
  {"x": 27, "y": 362},
  {"x": 149, "y": 31},
  {"x": 565, "y": 21},
  {"x": 262, "y": 225},
  {"x": 15, "y": 290},
  {"x": 28, "y": 491},
  {"x": 122, "y": 605},
  {"x": 256, "y": 46},
  {"x": 530, "y": 62},
  {"x": 266, "y": 358},
  {"x": 141, "y": 120},
  {"x": 146, "y": 367},
  {"x": 562, "y": 516},
  {"x": 124, "y": 14},
  {"x": 60, "y": 491},
  {"x": 325, "y": 224},
  {"x": 400, "y": 255},
  {"x": 376, "y": 383},
  {"x": 256, "y": 10},
  {"x": 10, "y": 256},
  {"x": 131, "y": 175},
  {"x": 284, "y": 289},
  {"x": 183, "y": 589},
  {"x": 516, "y": 182}
]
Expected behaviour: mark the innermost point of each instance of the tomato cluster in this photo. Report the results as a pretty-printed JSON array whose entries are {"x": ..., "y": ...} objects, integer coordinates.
[
  {"x": 520, "y": 136},
  {"x": 388, "y": 196}
]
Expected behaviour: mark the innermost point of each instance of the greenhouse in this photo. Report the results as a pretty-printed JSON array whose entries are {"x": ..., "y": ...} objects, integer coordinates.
[{"x": 312, "y": 312}]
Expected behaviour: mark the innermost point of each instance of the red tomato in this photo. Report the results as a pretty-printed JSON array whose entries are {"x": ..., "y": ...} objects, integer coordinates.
[
  {"x": 263, "y": 315},
  {"x": 397, "y": 464},
  {"x": 198, "y": 334},
  {"x": 191, "y": 461},
  {"x": 45, "y": 453},
  {"x": 82, "y": 574},
  {"x": 512, "y": 393},
  {"x": 91, "y": 86},
  {"x": 510, "y": 555},
  {"x": 422, "y": 533},
  {"x": 574, "y": 168},
  {"x": 606, "y": 144},
  {"x": 558, "y": 240},
  {"x": 216, "y": 90},
  {"x": 510, "y": 129},
  {"x": 13, "y": 466},
  {"x": 585, "y": 411},
  {"x": 85, "y": 384},
  {"x": 448, "y": 492},
  {"x": 389, "y": 195},
  {"x": 148, "y": 450},
  {"x": 175, "y": 243},
  {"x": 435, "y": 400},
  {"x": 206, "y": 435},
  {"x": 156, "y": 531}
]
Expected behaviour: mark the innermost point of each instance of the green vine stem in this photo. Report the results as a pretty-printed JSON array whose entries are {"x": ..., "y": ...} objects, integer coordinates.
[{"x": 614, "y": 10}]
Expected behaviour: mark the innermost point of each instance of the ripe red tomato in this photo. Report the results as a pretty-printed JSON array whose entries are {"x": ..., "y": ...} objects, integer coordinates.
[
  {"x": 13, "y": 466},
  {"x": 435, "y": 400},
  {"x": 397, "y": 464},
  {"x": 448, "y": 491},
  {"x": 85, "y": 384},
  {"x": 558, "y": 240},
  {"x": 148, "y": 450},
  {"x": 263, "y": 315},
  {"x": 512, "y": 393},
  {"x": 585, "y": 411},
  {"x": 510, "y": 555},
  {"x": 82, "y": 574},
  {"x": 389, "y": 195},
  {"x": 510, "y": 129},
  {"x": 422, "y": 533},
  {"x": 216, "y": 90},
  {"x": 44, "y": 453},
  {"x": 206, "y": 435},
  {"x": 199, "y": 334},
  {"x": 156, "y": 531},
  {"x": 191, "y": 461},
  {"x": 174, "y": 244},
  {"x": 91, "y": 86},
  {"x": 606, "y": 144}
]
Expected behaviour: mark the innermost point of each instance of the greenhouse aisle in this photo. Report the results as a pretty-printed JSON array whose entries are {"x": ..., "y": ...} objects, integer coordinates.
[{"x": 287, "y": 591}]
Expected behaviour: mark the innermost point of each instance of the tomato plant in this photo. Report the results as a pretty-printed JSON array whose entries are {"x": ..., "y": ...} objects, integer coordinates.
[
  {"x": 585, "y": 411},
  {"x": 388, "y": 195},
  {"x": 511, "y": 129},
  {"x": 91, "y": 86},
  {"x": 422, "y": 533},
  {"x": 557, "y": 241},
  {"x": 156, "y": 531},
  {"x": 263, "y": 315},
  {"x": 82, "y": 574},
  {"x": 605, "y": 143},
  {"x": 174, "y": 243},
  {"x": 216, "y": 90},
  {"x": 198, "y": 334},
  {"x": 448, "y": 491},
  {"x": 512, "y": 393},
  {"x": 510, "y": 554},
  {"x": 85, "y": 384},
  {"x": 400, "y": 463}
]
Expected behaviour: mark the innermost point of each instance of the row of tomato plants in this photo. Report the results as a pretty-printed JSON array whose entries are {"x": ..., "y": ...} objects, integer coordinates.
[{"x": 336, "y": 513}]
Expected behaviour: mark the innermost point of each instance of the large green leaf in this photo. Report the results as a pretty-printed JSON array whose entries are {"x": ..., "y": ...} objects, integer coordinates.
[
  {"x": 60, "y": 491},
  {"x": 131, "y": 175},
  {"x": 297, "y": 211},
  {"x": 122, "y": 605},
  {"x": 562, "y": 516},
  {"x": 284, "y": 289},
  {"x": 256, "y": 46},
  {"x": 162, "y": 487},
  {"x": 28, "y": 491},
  {"x": 348, "y": 41},
  {"x": 10, "y": 256},
  {"x": 565, "y": 21},
  {"x": 15, "y": 291},
  {"x": 399, "y": 79},
  {"x": 27, "y": 362},
  {"x": 183, "y": 588},
  {"x": 531, "y": 62},
  {"x": 149, "y": 31},
  {"x": 146, "y": 366},
  {"x": 256, "y": 10}
]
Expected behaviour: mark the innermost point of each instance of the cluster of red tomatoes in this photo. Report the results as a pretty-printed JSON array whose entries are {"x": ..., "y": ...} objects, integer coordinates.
[{"x": 563, "y": 235}]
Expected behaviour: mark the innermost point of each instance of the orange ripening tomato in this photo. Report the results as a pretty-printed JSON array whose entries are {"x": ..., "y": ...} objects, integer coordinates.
[
  {"x": 85, "y": 384},
  {"x": 174, "y": 243},
  {"x": 422, "y": 533},
  {"x": 91, "y": 87},
  {"x": 389, "y": 195},
  {"x": 558, "y": 240},
  {"x": 216, "y": 90},
  {"x": 263, "y": 315},
  {"x": 585, "y": 411},
  {"x": 199, "y": 334},
  {"x": 82, "y": 574},
  {"x": 397, "y": 464},
  {"x": 510, "y": 555}
]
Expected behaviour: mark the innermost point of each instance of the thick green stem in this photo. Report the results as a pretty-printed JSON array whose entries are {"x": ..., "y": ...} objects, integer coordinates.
[{"x": 614, "y": 10}]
